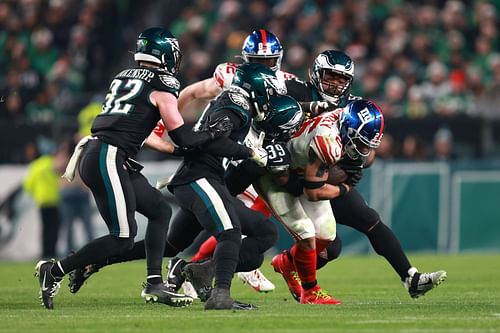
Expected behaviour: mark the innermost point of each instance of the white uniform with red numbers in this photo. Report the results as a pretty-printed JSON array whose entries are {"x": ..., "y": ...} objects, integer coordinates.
[{"x": 304, "y": 218}]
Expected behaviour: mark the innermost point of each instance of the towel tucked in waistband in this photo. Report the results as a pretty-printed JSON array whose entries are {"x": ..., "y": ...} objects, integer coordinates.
[{"x": 69, "y": 174}]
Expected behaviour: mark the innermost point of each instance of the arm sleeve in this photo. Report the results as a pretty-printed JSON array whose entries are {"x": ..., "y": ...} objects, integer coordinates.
[
  {"x": 185, "y": 136},
  {"x": 225, "y": 146}
]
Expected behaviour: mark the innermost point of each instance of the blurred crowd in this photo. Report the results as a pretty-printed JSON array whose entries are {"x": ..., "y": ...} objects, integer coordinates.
[{"x": 416, "y": 59}]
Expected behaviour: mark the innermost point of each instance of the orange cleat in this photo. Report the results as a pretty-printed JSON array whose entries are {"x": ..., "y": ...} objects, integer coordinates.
[
  {"x": 282, "y": 265},
  {"x": 317, "y": 295}
]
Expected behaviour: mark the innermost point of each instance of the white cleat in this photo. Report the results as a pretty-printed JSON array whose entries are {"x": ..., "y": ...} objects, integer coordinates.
[
  {"x": 189, "y": 290},
  {"x": 420, "y": 283},
  {"x": 256, "y": 280}
]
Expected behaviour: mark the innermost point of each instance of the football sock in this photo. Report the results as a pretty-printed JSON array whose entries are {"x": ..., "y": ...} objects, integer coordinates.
[
  {"x": 385, "y": 243},
  {"x": 154, "y": 279},
  {"x": 154, "y": 241},
  {"x": 305, "y": 263},
  {"x": 97, "y": 250},
  {"x": 206, "y": 249},
  {"x": 226, "y": 257}
]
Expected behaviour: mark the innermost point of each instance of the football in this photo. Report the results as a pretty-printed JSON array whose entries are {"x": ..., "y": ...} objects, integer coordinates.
[{"x": 336, "y": 175}]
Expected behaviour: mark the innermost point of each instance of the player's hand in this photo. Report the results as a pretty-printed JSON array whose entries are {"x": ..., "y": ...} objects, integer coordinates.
[
  {"x": 181, "y": 151},
  {"x": 218, "y": 127},
  {"x": 353, "y": 169},
  {"x": 278, "y": 157},
  {"x": 259, "y": 156},
  {"x": 312, "y": 109},
  {"x": 353, "y": 176}
]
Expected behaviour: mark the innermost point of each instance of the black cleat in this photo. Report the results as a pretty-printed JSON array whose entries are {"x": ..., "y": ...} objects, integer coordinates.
[
  {"x": 220, "y": 300},
  {"x": 420, "y": 283},
  {"x": 49, "y": 285},
  {"x": 78, "y": 276},
  {"x": 200, "y": 274},
  {"x": 175, "y": 278},
  {"x": 160, "y": 293}
]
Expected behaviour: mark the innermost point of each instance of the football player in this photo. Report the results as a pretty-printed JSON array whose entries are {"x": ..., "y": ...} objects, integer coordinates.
[
  {"x": 137, "y": 98},
  {"x": 328, "y": 88},
  {"x": 261, "y": 46}
]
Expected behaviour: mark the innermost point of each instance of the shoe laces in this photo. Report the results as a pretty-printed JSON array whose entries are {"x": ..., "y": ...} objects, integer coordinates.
[
  {"x": 320, "y": 293},
  {"x": 54, "y": 288},
  {"x": 295, "y": 276}
]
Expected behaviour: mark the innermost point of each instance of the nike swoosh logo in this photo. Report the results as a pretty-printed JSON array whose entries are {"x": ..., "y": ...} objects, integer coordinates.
[
  {"x": 278, "y": 161},
  {"x": 171, "y": 274},
  {"x": 43, "y": 282}
]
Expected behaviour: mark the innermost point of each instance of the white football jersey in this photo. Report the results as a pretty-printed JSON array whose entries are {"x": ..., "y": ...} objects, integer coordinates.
[
  {"x": 321, "y": 134},
  {"x": 224, "y": 74}
]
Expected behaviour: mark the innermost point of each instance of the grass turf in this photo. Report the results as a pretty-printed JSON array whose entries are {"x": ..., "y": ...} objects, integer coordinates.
[{"x": 373, "y": 301}]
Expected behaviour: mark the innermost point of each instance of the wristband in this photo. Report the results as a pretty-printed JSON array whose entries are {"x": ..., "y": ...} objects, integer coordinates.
[{"x": 342, "y": 189}]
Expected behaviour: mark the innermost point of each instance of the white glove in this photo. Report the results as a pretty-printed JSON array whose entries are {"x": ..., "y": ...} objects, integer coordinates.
[{"x": 259, "y": 156}]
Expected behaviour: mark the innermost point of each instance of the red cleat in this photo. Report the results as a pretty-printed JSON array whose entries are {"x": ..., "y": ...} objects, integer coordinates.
[
  {"x": 282, "y": 265},
  {"x": 317, "y": 295}
]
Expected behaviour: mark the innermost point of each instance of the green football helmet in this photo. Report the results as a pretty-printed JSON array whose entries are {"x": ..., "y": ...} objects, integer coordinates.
[
  {"x": 159, "y": 46},
  {"x": 257, "y": 82},
  {"x": 283, "y": 119},
  {"x": 332, "y": 73}
]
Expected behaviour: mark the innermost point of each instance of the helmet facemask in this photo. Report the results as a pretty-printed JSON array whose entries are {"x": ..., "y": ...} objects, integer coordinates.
[
  {"x": 271, "y": 61},
  {"x": 333, "y": 85},
  {"x": 332, "y": 73},
  {"x": 262, "y": 46}
]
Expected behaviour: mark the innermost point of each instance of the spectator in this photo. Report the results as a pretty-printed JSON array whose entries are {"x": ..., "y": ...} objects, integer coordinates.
[
  {"x": 42, "y": 183},
  {"x": 443, "y": 145}
]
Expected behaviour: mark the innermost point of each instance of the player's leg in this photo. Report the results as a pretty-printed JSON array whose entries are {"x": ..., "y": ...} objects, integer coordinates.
[
  {"x": 324, "y": 223},
  {"x": 100, "y": 169},
  {"x": 352, "y": 210},
  {"x": 211, "y": 203}
]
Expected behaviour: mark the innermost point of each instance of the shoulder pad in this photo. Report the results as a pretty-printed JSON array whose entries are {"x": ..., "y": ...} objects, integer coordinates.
[
  {"x": 163, "y": 81},
  {"x": 327, "y": 148}
]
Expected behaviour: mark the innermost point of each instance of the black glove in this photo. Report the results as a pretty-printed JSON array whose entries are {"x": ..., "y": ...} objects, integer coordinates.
[
  {"x": 181, "y": 151},
  {"x": 278, "y": 157},
  {"x": 353, "y": 169},
  {"x": 218, "y": 127},
  {"x": 353, "y": 176},
  {"x": 312, "y": 109}
]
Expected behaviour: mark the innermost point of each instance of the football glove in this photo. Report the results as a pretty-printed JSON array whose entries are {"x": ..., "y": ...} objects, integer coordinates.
[
  {"x": 259, "y": 156},
  {"x": 353, "y": 169},
  {"x": 218, "y": 127},
  {"x": 312, "y": 109}
]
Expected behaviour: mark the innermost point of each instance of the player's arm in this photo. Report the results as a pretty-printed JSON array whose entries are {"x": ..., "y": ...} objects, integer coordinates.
[
  {"x": 206, "y": 89},
  {"x": 315, "y": 176},
  {"x": 179, "y": 132},
  {"x": 155, "y": 142}
]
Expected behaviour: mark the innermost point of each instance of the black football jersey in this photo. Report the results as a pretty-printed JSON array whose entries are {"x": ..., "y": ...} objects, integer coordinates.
[
  {"x": 128, "y": 116},
  {"x": 205, "y": 162}
]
